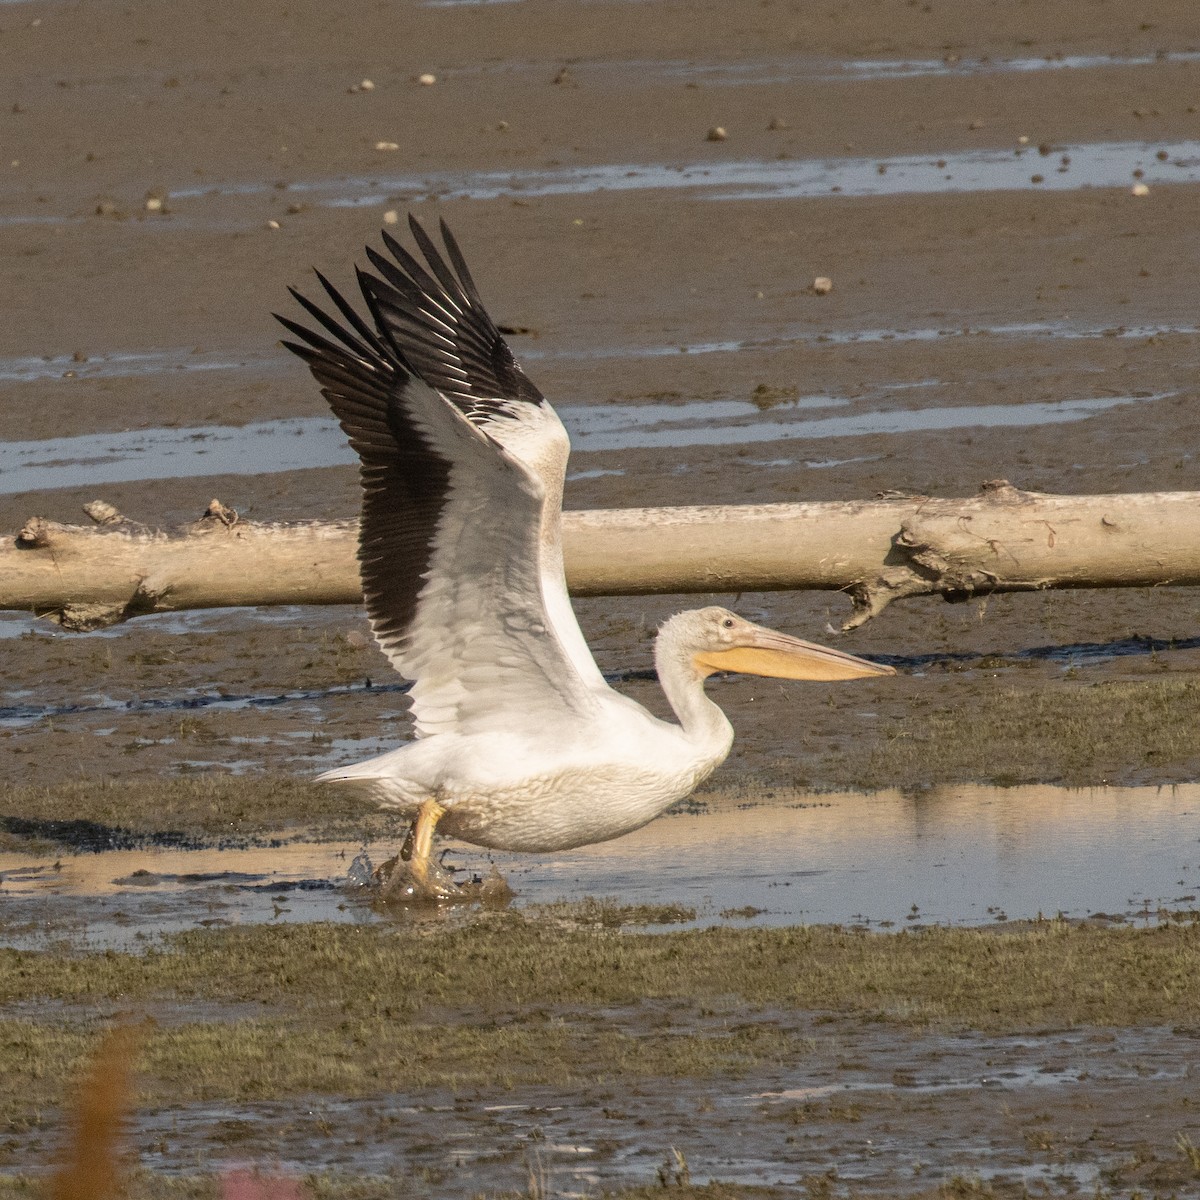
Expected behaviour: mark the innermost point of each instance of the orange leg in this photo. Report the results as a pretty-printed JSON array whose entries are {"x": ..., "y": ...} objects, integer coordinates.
[{"x": 419, "y": 877}]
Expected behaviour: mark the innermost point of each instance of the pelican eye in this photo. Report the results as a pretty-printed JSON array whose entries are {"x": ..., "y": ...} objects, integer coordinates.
[{"x": 728, "y": 623}]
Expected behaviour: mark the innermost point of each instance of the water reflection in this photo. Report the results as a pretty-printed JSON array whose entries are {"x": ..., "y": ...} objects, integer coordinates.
[{"x": 963, "y": 855}]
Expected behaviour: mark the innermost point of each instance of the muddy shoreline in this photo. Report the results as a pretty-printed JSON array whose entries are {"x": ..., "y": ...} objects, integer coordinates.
[{"x": 1081, "y": 689}]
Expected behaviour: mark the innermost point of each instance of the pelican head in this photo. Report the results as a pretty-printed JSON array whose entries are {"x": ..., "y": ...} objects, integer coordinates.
[{"x": 715, "y": 639}]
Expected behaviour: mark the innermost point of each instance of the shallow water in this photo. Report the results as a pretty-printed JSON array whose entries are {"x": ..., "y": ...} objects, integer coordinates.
[
  {"x": 1061, "y": 167},
  {"x": 896, "y": 421},
  {"x": 913, "y": 68},
  {"x": 963, "y": 855},
  {"x": 118, "y": 364},
  {"x": 262, "y": 447},
  {"x": 885, "y": 1110},
  {"x": 121, "y": 364},
  {"x": 1033, "y": 330},
  {"x": 187, "y": 621},
  {"x": 300, "y": 443},
  {"x": 809, "y": 68},
  {"x": 739, "y": 1133},
  {"x": 1064, "y": 167},
  {"x": 867, "y": 70}
]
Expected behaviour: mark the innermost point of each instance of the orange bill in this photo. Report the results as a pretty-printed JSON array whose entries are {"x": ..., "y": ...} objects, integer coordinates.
[{"x": 782, "y": 657}]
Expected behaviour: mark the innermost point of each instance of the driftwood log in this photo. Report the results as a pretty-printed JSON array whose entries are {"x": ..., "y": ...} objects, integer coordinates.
[{"x": 877, "y": 551}]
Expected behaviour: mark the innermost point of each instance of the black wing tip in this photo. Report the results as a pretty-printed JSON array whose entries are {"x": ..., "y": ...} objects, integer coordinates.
[
  {"x": 442, "y": 284},
  {"x": 424, "y": 317},
  {"x": 415, "y": 227}
]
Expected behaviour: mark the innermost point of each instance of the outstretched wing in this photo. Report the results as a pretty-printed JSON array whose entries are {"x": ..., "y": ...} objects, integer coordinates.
[{"x": 462, "y": 463}]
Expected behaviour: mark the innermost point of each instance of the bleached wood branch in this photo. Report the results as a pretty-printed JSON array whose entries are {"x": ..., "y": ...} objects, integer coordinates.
[{"x": 877, "y": 551}]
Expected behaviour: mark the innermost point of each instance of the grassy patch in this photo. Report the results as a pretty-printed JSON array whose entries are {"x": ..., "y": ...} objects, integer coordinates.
[
  {"x": 148, "y": 1185},
  {"x": 608, "y": 912},
  {"x": 1053, "y": 972},
  {"x": 269, "y": 1059},
  {"x": 268, "y": 1012},
  {"x": 189, "y": 810},
  {"x": 1074, "y": 734}
]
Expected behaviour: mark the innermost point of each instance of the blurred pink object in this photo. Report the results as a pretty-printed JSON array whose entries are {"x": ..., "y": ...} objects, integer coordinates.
[{"x": 250, "y": 1185}]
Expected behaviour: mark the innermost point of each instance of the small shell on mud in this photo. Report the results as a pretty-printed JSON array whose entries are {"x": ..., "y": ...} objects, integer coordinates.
[
  {"x": 1140, "y": 189},
  {"x": 427, "y": 80},
  {"x": 387, "y": 145},
  {"x": 391, "y": 217},
  {"x": 822, "y": 285},
  {"x": 717, "y": 134},
  {"x": 273, "y": 224}
]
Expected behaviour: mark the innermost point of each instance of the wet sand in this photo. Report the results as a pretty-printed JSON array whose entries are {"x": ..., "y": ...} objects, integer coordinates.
[{"x": 250, "y": 134}]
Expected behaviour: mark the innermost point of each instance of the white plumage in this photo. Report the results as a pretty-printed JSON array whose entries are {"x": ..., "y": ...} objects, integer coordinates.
[{"x": 520, "y": 744}]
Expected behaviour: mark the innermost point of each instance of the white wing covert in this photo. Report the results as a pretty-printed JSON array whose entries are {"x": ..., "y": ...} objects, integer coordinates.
[{"x": 461, "y": 463}]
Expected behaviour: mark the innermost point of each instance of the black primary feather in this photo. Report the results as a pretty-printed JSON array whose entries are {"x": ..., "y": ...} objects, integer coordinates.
[{"x": 429, "y": 323}]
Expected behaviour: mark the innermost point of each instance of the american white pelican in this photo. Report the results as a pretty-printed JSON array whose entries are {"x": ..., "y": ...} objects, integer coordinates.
[{"x": 520, "y": 744}]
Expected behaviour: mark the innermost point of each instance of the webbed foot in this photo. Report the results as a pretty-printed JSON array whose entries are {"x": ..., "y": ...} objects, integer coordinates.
[
  {"x": 415, "y": 875},
  {"x": 419, "y": 880}
]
